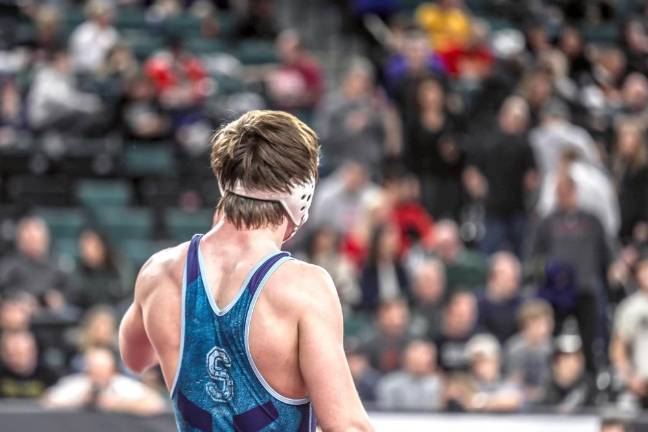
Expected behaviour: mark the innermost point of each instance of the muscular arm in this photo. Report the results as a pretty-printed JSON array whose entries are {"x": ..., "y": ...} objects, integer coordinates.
[
  {"x": 134, "y": 344},
  {"x": 322, "y": 360}
]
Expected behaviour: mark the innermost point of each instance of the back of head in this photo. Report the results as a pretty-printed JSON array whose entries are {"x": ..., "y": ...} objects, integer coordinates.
[{"x": 266, "y": 166}]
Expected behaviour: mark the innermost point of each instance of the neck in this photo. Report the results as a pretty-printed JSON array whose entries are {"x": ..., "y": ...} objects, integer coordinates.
[{"x": 270, "y": 237}]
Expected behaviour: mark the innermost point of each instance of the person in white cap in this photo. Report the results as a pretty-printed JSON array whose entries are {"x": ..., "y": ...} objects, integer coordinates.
[{"x": 248, "y": 338}]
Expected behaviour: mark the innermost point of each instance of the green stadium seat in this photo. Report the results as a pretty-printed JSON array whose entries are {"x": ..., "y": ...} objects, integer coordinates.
[
  {"x": 202, "y": 46},
  {"x": 142, "y": 161},
  {"x": 130, "y": 18},
  {"x": 63, "y": 223},
  {"x": 185, "y": 25},
  {"x": 226, "y": 23},
  {"x": 124, "y": 223},
  {"x": 182, "y": 225},
  {"x": 67, "y": 248},
  {"x": 96, "y": 194},
  {"x": 227, "y": 84},
  {"x": 601, "y": 33},
  {"x": 137, "y": 251},
  {"x": 143, "y": 44},
  {"x": 253, "y": 52}
]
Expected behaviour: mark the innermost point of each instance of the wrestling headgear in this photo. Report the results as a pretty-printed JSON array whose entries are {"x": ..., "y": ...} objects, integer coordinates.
[{"x": 296, "y": 203}]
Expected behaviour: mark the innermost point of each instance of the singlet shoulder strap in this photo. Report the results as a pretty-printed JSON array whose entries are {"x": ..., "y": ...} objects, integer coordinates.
[
  {"x": 193, "y": 265},
  {"x": 264, "y": 268}
]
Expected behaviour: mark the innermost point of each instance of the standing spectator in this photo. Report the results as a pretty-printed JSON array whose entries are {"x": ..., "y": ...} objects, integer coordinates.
[
  {"x": 498, "y": 304},
  {"x": 432, "y": 153},
  {"x": 30, "y": 268},
  {"x": 99, "y": 280},
  {"x": 428, "y": 289},
  {"x": 351, "y": 122},
  {"x": 445, "y": 21},
  {"x": 458, "y": 326},
  {"x": 528, "y": 353},
  {"x": 505, "y": 162},
  {"x": 91, "y": 41},
  {"x": 629, "y": 347},
  {"x": 297, "y": 83},
  {"x": 629, "y": 166},
  {"x": 384, "y": 276},
  {"x": 22, "y": 374},
  {"x": 417, "y": 385},
  {"x": 100, "y": 387},
  {"x": 571, "y": 387},
  {"x": 574, "y": 240},
  {"x": 465, "y": 269},
  {"x": 385, "y": 342}
]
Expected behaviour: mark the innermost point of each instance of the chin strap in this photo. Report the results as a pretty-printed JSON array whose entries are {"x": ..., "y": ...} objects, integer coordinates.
[{"x": 296, "y": 203}]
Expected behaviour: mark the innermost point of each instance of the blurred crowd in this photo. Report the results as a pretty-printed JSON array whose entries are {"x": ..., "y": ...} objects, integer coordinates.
[{"x": 482, "y": 209}]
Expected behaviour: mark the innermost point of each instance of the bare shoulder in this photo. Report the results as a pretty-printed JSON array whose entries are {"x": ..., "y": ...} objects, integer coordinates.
[{"x": 162, "y": 268}]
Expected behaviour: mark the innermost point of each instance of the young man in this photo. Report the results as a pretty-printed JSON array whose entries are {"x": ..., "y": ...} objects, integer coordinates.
[{"x": 246, "y": 336}]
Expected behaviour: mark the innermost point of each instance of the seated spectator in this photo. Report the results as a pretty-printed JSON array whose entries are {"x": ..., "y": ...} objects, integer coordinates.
[
  {"x": 417, "y": 386},
  {"x": 323, "y": 249},
  {"x": 629, "y": 166},
  {"x": 491, "y": 393},
  {"x": 384, "y": 276},
  {"x": 98, "y": 277},
  {"x": 505, "y": 164},
  {"x": 614, "y": 425},
  {"x": 91, "y": 41},
  {"x": 55, "y": 101},
  {"x": 386, "y": 340},
  {"x": 258, "y": 21},
  {"x": 22, "y": 373},
  {"x": 365, "y": 377},
  {"x": 100, "y": 387},
  {"x": 573, "y": 241},
  {"x": 571, "y": 388},
  {"x": 629, "y": 346},
  {"x": 528, "y": 354},
  {"x": 16, "y": 311},
  {"x": 143, "y": 117},
  {"x": 471, "y": 60},
  {"x": 47, "y": 35},
  {"x": 635, "y": 44},
  {"x": 498, "y": 304},
  {"x": 351, "y": 123},
  {"x": 98, "y": 330},
  {"x": 445, "y": 21},
  {"x": 428, "y": 289},
  {"x": 458, "y": 326},
  {"x": 297, "y": 83},
  {"x": 465, "y": 269},
  {"x": 30, "y": 269}
]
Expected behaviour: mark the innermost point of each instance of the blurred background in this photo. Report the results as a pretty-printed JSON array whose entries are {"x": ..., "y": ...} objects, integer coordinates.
[{"x": 482, "y": 209}]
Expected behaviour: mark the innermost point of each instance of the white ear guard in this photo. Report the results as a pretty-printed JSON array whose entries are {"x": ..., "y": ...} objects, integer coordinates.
[{"x": 296, "y": 203}]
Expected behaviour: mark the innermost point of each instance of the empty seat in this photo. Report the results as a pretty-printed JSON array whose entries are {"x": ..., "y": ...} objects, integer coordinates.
[
  {"x": 137, "y": 251},
  {"x": 253, "y": 52},
  {"x": 39, "y": 191},
  {"x": 96, "y": 194},
  {"x": 151, "y": 160},
  {"x": 63, "y": 223},
  {"x": 123, "y": 223},
  {"x": 182, "y": 225}
]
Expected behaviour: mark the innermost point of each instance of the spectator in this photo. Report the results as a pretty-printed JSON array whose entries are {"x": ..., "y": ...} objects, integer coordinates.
[
  {"x": 572, "y": 46},
  {"x": 570, "y": 388},
  {"x": 555, "y": 134},
  {"x": 16, "y": 312},
  {"x": 22, "y": 374},
  {"x": 465, "y": 269},
  {"x": 351, "y": 122},
  {"x": 99, "y": 280},
  {"x": 498, "y": 304},
  {"x": 257, "y": 21},
  {"x": 528, "y": 353},
  {"x": 47, "y": 36},
  {"x": 98, "y": 330},
  {"x": 143, "y": 116},
  {"x": 30, "y": 269},
  {"x": 629, "y": 166},
  {"x": 91, "y": 41},
  {"x": 386, "y": 341},
  {"x": 417, "y": 386},
  {"x": 384, "y": 277},
  {"x": 431, "y": 150},
  {"x": 458, "y": 326},
  {"x": 446, "y": 23},
  {"x": 573, "y": 240},
  {"x": 297, "y": 83},
  {"x": 365, "y": 377},
  {"x": 506, "y": 164},
  {"x": 100, "y": 387},
  {"x": 635, "y": 45},
  {"x": 428, "y": 289},
  {"x": 613, "y": 425},
  {"x": 490, "y": 392},
  {"x": 629, "y": 346},
  {"x": 55, "y": 101}
]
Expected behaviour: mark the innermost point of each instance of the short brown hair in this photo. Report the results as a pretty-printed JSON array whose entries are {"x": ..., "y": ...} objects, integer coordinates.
[
  {"x": 534, "y": 309},
  {"x": 264, "y": 150}
]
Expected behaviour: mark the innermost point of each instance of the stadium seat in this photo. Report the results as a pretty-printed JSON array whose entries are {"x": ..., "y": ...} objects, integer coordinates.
[
  {"x": 123, "y": 223},
  {"x": 185, "y": 25},
  {"x": 601, "y": 33},
  {"x": 254, "y": 52},
  {"x": 182, "y": 225},
  {"x": 202, "y": 46},
  {"x": 129, "y": 18},
  {"x": 137, "y": 251},
  {"x": 67, "y": 248},
  {"x": 142, "y": 161},
  {"x": 63, "y": 223},
  {"x": 39, "y": 191},
  {"x": 103, "y": 193}
]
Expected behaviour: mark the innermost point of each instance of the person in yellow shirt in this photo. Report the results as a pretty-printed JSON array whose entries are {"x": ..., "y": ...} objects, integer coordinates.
[{"x": 445, "y": 22}]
